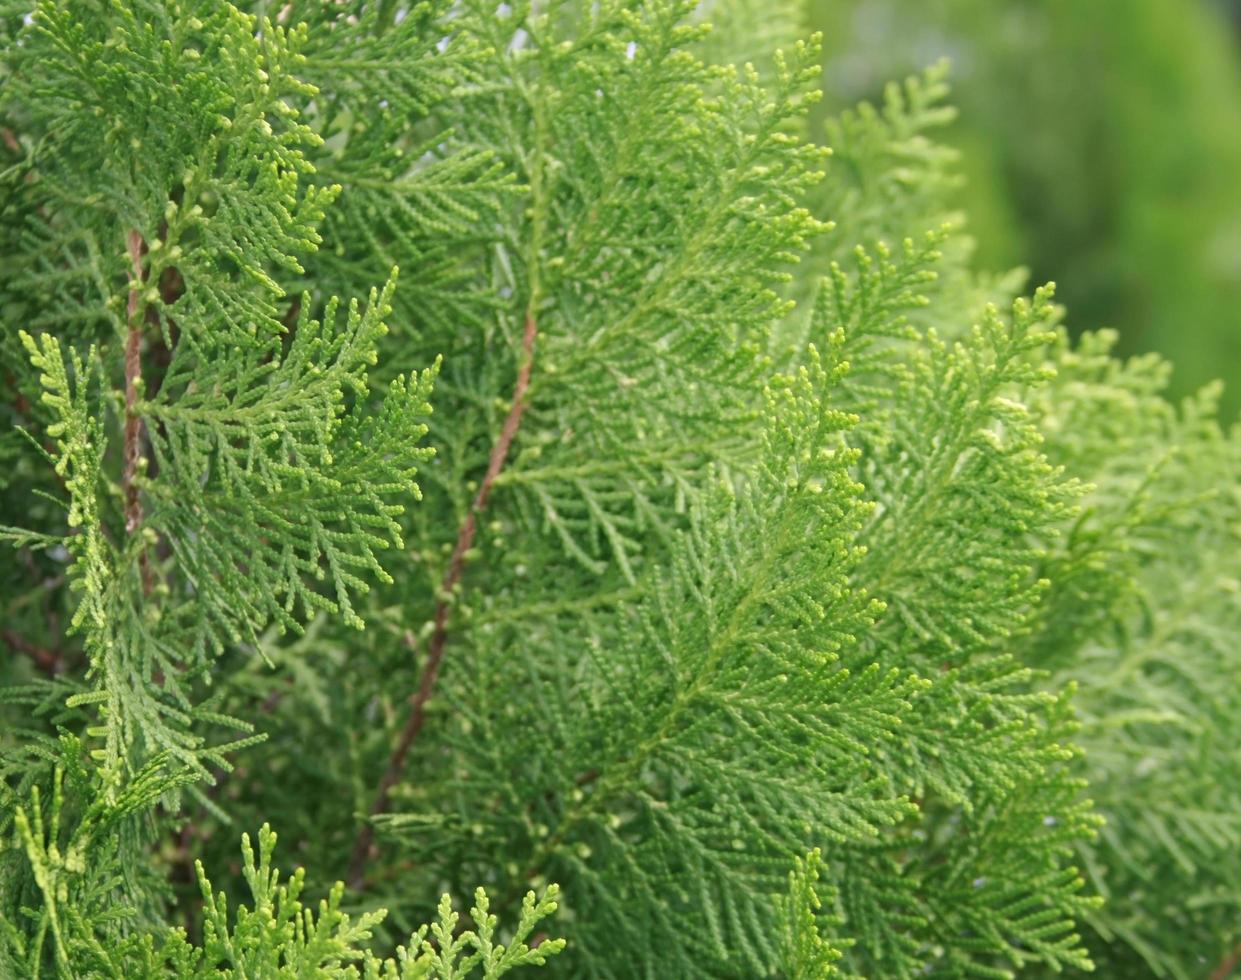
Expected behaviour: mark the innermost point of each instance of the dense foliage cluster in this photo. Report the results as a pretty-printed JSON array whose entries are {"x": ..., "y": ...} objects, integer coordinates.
[{"x": 778, "y": 594}]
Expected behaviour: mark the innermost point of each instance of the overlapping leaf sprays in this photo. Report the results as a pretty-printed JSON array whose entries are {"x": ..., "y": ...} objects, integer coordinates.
[{"x": 751, "y": 622}]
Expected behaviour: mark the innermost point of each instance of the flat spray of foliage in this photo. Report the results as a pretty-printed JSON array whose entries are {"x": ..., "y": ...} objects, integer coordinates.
[{"x": 800, "y": 601}]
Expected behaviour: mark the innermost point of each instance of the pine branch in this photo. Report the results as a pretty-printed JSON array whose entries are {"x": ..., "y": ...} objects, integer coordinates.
[
  {"x": 133, "y": 422},
  {"x": 439, "y": 638}
]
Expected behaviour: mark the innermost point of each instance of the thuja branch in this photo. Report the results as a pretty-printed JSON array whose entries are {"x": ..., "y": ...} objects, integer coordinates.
[
  {"x": 469, "y": 526},
  {"x": 452, "y": 577},
  {"x": 133, "y": 422}
]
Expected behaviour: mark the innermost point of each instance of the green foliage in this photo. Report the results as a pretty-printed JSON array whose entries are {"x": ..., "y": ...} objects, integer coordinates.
[
  {"x": 805, "y": 954},
  {"x": 287, "y": 460},
  {"x": 279, "y": 937},
  {"x": 1154, "y": 662},
  {"x": 1100, "y": 140},
  {"x": 800, "y": 599}
]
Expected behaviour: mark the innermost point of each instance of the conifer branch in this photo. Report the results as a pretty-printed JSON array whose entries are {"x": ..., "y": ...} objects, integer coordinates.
[
  {"x": 133, "y": 423},
  {"x": 822, "y": 543},
  {"x": 452, "y": 577}
]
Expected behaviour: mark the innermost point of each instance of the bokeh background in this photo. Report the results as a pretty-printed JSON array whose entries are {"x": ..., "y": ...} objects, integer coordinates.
[{"x": 1101, "y": 141}]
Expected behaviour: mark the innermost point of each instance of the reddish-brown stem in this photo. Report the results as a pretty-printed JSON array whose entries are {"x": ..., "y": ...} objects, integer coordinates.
[
  {"x": 48, "y": 660},
  {"x": 21, "y": 404},
  {"x": 439, "y": 636},
  {"x": 1229, "y": 963},
  {"x": 133, "y": 422}
]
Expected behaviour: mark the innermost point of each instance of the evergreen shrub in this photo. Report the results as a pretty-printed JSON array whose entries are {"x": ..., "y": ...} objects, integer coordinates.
[{"x": 689, "y": 566}]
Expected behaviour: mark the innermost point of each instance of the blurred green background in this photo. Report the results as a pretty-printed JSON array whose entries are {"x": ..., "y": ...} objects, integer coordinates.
[{"x": 1101, "y": 142}]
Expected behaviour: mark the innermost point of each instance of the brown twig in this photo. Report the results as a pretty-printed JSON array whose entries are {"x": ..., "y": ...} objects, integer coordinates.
[
  {"x": 48, "y": 660},
  {"x": 21, "y": 404},
  {"x": 133, "y": 422},
  {"x": 1229, "y": 963},
  {"x": 439, "y": 636},
  {"x": 289, "y": 320}
]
